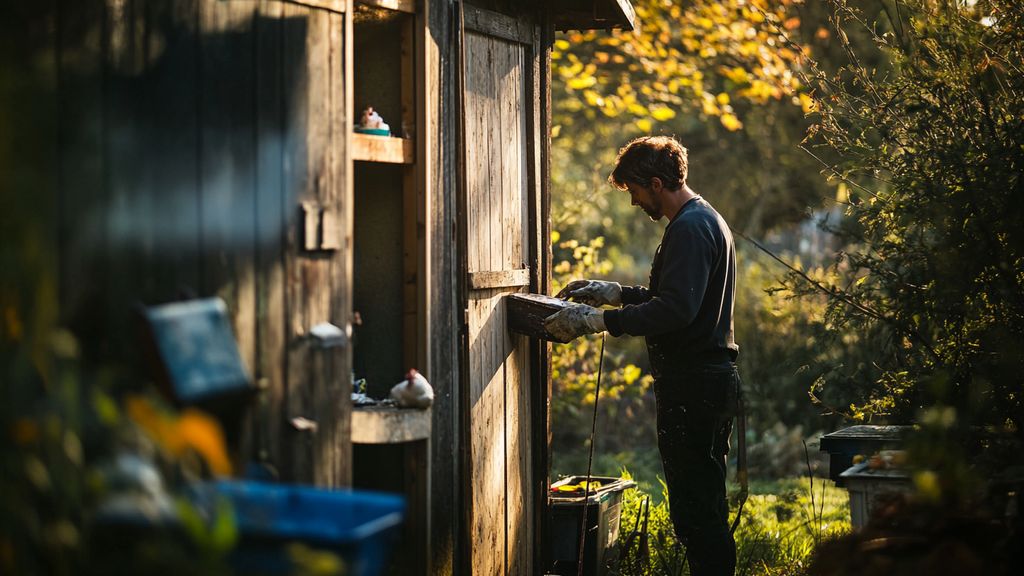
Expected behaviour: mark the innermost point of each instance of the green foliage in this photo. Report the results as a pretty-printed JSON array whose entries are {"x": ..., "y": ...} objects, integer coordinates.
[
  {"x": 932, "y": 150},
  {"x": 698, "y": 55},
  {"x": 721, "y": 76},
  {"x": 626, "y": 398},
  {"x": 781, "y": 524},
  {"x": 42, "y": 462},
  {"x": 61, "y": 437}
]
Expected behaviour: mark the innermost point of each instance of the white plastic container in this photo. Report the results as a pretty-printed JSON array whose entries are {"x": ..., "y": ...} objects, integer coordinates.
[{"x": 866, "y": 485}]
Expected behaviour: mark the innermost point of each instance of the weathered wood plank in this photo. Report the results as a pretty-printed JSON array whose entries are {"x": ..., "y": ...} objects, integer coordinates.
[
  {"x": 227, "y": 158},
  {"x": 499, "y": 279},
  {"x": 298, "y": 188},
  {"x": 514, "y": 115},
  {"x": 121, "y": 131},
  {"x": 410, "y": 205},
  {"x": 444, "y": 317},
  {"x": 491, "y": 253},
  {"x": 492, "y": 195},
  {"x": 271, "y": 220},
  {"x": 421, "y": 64},
  {"x": 476, "y": 151},
  {"x": 325, "y": 402},
  {"x": 537, "y": 130},
  {"x": 511, "y": 108},
  {"x": 518, "y": 425},
  {"x": 169, "y": 163},
  {"x": 338, "y": 6},
  {"x": 522, "y": 110},
  {"x": 335, "y": 400},
  {"x": 399, "y": 5},
  {"x": 385, "y": 425},
  {"x": 488, "y": 442},
  {"x": 483, "y": 21},
  {"x": 341, "y": 311},
  {"x": 392, "y": 150},
  {"x": 505, "y": 147}
]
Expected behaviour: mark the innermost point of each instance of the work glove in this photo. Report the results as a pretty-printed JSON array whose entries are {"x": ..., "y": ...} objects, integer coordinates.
[
  {"x": 574, "y": 321},
  {"x": 593, "y": 292}
]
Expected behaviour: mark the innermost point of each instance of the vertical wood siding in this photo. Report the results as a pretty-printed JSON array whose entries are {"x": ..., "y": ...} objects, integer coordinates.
[
  {"x": 502, "y": 520},
  {"x": 188, "y": 132},
  {"x": 440, "y": 157}
]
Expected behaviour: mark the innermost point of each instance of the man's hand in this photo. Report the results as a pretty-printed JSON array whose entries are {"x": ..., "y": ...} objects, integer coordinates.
[
  {"x": 574, "y": 321},
  {"x": 592, "y": 292}
]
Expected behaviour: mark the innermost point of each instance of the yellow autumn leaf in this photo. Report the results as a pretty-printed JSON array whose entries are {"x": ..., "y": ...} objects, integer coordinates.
[
  {"x": 630, "y": 373},
  {"x": 581, "y": 82},
  {"x": 709, "y": 108},
  {"x": 593, "y": 98},
  {"x": 644, "y": 124},
  {"x": 808, "y": 104},
  {"x": 637, "y": 109},
  {"x": 662, "y": 114},
  {"x": 722, "y": 98},
  {"x": 731, "y": 122}
]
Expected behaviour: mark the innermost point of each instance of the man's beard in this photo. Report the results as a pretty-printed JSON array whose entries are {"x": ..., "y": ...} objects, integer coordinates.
[{"x": 654, "y": 212}]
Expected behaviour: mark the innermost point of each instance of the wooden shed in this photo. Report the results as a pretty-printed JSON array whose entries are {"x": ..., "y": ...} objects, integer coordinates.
[{"x": 183, "y": 148}]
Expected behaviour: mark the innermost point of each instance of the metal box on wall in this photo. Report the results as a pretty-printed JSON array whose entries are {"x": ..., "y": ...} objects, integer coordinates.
[{"x": 526, "y": 314}]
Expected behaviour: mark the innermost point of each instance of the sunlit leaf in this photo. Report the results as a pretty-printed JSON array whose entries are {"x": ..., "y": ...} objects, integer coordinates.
[{"x": 663, "y": 114}]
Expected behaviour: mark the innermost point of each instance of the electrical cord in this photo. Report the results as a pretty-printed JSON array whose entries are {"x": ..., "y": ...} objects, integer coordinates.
[{"x": 590, "y": 462}]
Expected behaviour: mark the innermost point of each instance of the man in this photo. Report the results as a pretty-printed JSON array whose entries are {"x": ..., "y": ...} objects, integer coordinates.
[{"x": 686, "y": 316}]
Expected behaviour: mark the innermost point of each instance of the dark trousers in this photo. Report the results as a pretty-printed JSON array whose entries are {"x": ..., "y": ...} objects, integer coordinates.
[{"x": 695, "y": 414}]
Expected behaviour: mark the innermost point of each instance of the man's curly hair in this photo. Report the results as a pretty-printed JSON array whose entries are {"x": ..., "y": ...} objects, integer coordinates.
[{"x": 648, "y": 157}]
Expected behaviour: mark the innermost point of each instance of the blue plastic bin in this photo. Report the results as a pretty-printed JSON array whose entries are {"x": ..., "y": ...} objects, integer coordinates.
[{"x": 359, "y": 526}]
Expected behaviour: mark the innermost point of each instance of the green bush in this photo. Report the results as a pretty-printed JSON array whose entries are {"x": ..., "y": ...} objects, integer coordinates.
[{"x": 931, "y": 152}]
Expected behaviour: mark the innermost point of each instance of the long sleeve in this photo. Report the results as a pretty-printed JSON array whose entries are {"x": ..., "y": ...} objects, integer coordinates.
[
  {"x": 690, "y": 251},
  {"x": 635, "y": 294}
]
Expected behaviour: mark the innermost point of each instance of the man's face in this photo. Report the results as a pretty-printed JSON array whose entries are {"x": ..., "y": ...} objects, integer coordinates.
[{"x": 646, "y": 198}]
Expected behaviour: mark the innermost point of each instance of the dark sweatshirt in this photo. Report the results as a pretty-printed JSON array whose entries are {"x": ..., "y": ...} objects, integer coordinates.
[{"x": 686, "y": 313}]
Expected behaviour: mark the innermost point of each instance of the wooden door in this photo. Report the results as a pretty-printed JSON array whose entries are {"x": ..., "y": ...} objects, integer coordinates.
[
  {"x": 317, "y": 175},
  {"x": 191, "y": 138},
  {"x": 499, "y": 114}
]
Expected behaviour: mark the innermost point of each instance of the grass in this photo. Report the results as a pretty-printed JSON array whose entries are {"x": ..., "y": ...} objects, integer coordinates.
[{"x": 782, "y": 523}]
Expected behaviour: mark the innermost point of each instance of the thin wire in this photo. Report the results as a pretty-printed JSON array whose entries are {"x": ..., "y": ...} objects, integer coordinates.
[
  {"x": 741, "y": 458},
  {"x": 590, "y": 461}
]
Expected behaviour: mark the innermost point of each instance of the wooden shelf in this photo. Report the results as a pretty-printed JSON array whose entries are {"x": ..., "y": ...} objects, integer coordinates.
[
  {"x": 370, "y": 148},
  {"x": 399, "y": 5},
  {"x": 389, "y": 425}
]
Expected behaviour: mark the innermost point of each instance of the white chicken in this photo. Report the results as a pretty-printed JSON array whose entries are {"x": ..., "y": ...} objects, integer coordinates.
[{"x": 413, "y": 392}]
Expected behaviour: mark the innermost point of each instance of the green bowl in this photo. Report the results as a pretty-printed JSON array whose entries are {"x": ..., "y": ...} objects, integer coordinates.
[{"x": 374, "y": 131}]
